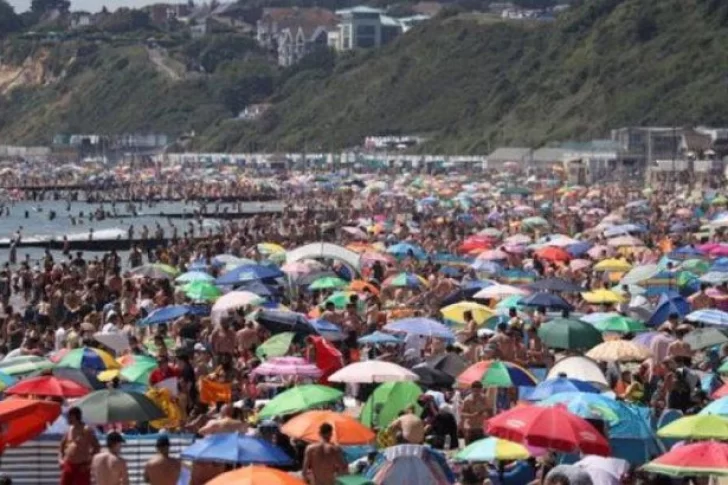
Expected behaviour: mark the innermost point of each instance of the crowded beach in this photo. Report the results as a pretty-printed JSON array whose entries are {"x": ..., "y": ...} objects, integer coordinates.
[{"x": 489, "y": 328}]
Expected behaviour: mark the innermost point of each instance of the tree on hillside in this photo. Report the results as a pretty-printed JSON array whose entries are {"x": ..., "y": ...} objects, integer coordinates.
[
  {"x": 125, "y": 20},
  {"x": 9, "y": 20},
  {"x": 535, "y": 4},
  {"x": 42, "y": 6}
]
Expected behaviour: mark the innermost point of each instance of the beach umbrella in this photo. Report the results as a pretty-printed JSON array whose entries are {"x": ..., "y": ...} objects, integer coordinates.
[
  {"x": 235, "y": 449},
  {"x": 620, "y": 324},
  {"x": 115, "y": 406},
  {"x": 346, "y": 430},
  {"x": 155, "y": 271},
  {"x": 299, "y": 398},
  {"x": 492, "y": 449},
  {"x": 387, "y": 401},
  {"x": 411, "y": 464},
  {"x": 625, "y": 241},
  {"x": 278, "y": 321},
  {"x": 48, "y": 386},
  {"x": 361, "y": 286},
  {"x": 201, "y": 290},
  {"x": 616, "y": 467},
  {"x": 496, "y": 373},
  {"x": 137, "y": 371},
  {"x": 235, "y": 300},
  {"x": 492, "y": 255},
  {"x": 640, "y": 273},
  {"x": 692, "y": 460},
  {"x": 710, "y": 316},
  {"x": 553, "y": 254},
  {"x": 546, "y": 300},
  {"x": 548, "y": 427},
  {"x": 256, "y": 475},
  {"x": 353, "y": 480},
  {"x": 619, "y": 351},
  {"x": 402, "y": 250},
  {"x": 289, "y": 367},
  {"x": 88, "y": 358},
  {"x": 450, "y": 363},
  {"x": 456, "y": 312},
  {"x": 405, "y": 280},
  {"x": 194, "y": 276},
  {"x": 499, "y": 291},
  {"x": 26, "y": 364},
  {"x": 718, "y": 407},
  {"x": 6, "y": 380},
  {"x": 169, "y": 313},
  {"x": 696, "y": 427},
  {"x": 555, "y": 284},
  {"x": 85, "y": 377},
  {"x": 430, "y": 377},
  {"x": 534, "y": 222},
  {"x": 425, "y": 327},
  {"x": 379, "y": 338},
  {"x": 589, "y": 405},
  {"x": 602, "y": 297},
  {"x": 24, "y": 419},
  {"x": 579, "y": 367},
  {"x": 268, "y": 248},
  {"x": 517, "y": 276},
  {"x": 328, "y": 283},
  {"x": 247, "y": 273},
  {"x": 340, "y": 299},
  {"x": 569, "y": 333},
  {"x": 669, "y": 303},
  {"x": 558, "y": 385},
  {"x": 372, "y": 372},
  {"x": 702, "y": 338},
  {"x": 613, "y": 265},
  {"x": 276, "y": 346}
]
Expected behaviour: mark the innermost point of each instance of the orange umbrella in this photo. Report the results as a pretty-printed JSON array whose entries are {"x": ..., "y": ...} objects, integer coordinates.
[
  {"x": 361, "y": 285},
  {"x": 24, "y": 419},
  {"x": 347, "y": 430},
  {"x": 553, "y": 253},
  {"x": 256, "y": 475}
]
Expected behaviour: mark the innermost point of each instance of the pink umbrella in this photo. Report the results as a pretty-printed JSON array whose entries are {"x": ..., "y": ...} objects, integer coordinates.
[
  {"x": 296, "y": 267},
  {"x": 515, "y": 248},
  {"x": 707, "y": 247},
  {"x": 721, "y": 250},
  {"x": 355, "y": 232},
  {"x": 492, "y": 255},
  {"x": 600, "y": 251},
  {"x": 579, "y": 264},
  {"x": 371, "y": 257},
  {"x": 289, "y": 367}
]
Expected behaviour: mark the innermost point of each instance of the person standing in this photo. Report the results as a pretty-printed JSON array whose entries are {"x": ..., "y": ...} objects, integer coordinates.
[
  {"x": 77, "y": 449},
  {"x": 108, "y": 467},
  {"x": 161, "y": 469},
  {"x": 323, "y": 461}
]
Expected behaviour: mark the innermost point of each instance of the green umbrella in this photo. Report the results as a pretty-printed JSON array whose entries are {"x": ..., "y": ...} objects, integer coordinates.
[
  {"x": 353, "y": 480},
  {"x": 697, "y": 266},
  {"x": 515, "y": 191},
  {"x": 328, "y": 283},
  {"x": 620, "y": 324},
  {"x": 152, "y": 347},
  {"x": 115, "y": 406},
  {"x": 300, "y": 398},
  {"x": 201, "y": 290},
  {"x": 723, "y": 369},
  {"x": 702, "y": 338},
  {"x": 387, "y": 401},
  {"x": 568, "y": 333},
  {"x": 19, "y": 366},
  {"x": 138, "y": 371},
  {"x": 530, "y": 222},
  {"x": 276, "y": 346}
]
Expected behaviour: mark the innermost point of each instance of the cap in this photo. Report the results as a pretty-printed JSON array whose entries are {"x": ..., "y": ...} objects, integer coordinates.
[
  {"x": 114, "y": 438},
  {"x": 163, "y": 441},
  {"x": 199, "y": 347}
]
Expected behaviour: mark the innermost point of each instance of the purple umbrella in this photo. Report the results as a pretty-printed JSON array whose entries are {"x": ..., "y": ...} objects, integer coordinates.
[
  {"x": 288, "y": 366},
  {"x": 657, "y": 342}
]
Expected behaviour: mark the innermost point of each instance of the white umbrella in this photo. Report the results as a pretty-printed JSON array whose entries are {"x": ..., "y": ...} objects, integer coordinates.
[
  {"x": 118, "y": 342},
  {"x": 614, "y": 466},
  {"x": 372, "y": 371},
  {"x": 499, "y": 291},
  {"x": 233, "y": 301},
  {"x": 581, "y": 368}
]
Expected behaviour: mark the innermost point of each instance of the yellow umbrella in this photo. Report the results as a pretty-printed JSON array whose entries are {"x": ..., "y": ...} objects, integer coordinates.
[
  {"x": 613, "y": 264},
  {"x": 619, "y": 351},
  {"x": 270, "y": 248},
  {"x": 108, "y": 375},
  {"x": 456, "y": 312},
  {"x": 602, "y": 297}
]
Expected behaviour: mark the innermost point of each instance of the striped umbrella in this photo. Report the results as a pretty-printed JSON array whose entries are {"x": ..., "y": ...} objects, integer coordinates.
[
  {"x": 88, "y": 358},
  {"x": 496, "y": 373},
  {"x": 697, "y": 459},
  {"x": 492, "y": 449},
  {"x": 709, "y": 316},
  {"x": 405, "y": 280}
]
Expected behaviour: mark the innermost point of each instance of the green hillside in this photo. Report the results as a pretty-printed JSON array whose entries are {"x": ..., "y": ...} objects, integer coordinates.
[{"x": 467, "y": 81}]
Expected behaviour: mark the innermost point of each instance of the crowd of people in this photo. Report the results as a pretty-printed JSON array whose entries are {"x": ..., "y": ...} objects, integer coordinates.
[{"x": 423, "y": 243}]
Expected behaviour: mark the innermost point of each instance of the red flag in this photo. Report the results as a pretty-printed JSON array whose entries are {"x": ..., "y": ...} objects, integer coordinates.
[{"x": 328, "y": 358}]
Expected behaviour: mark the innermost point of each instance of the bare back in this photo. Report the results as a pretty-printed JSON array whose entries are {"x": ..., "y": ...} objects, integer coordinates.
[
  {"x": 325, "y": 462},
  {"x": 161, "y": 470}
]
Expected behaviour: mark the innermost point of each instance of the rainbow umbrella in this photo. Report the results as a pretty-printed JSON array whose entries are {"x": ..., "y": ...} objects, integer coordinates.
[
  {"x": 6, "y": 381},
  {"x": 202, "y": 290},
  {"x": 697, "y": 459},
  {"x": 88, "y": 358},
  {"x": 405, "y": 280},
  {"x": 492, "y": 449},
  {"x": 496, "y": 373}
]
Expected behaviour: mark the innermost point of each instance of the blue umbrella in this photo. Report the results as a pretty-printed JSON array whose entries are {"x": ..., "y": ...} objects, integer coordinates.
[
  {"x": 378, "y": 338},
  {"x": 278, "y": 321},
  {"x": 198, "y": 265},
  {"x": 556, "y": 284},
  {"x": 720, "y": 265},
  {"x": 578, "y": 249},
  {"x": 192, "y": 276},
  {"x": 558, "y": 385},
  {"x": 546, "y": 300},
  {"x": 686, "y": 252},
  {"x": 485, "y": 266},
  {"x": 173, "y": 312},
  {"x": 421, "y": 326},
  {"x": 248, "y": 272},
  {"x": 709, "y": 316},
  {"x": 669, "y": 303},
  {"x": 260, "y": 289},
  {"x": 719, "y": 407},
  {"x": 327, "y": 329},
  {"x": 623, "y": 229},
  {"x": 236, "y": 448},
  {"x": 404, "y": 249},
  {"x": 450, "y": 271}
]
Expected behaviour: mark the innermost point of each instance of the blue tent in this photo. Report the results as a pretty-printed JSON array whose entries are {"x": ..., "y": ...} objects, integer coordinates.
[{"x": 669, "y": 303}]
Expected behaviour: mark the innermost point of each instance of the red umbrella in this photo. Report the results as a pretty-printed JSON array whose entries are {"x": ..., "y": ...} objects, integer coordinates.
[
  {"x": 704, "y": 458},
  {"x": 722, "y": 391},
  {"x": 553, "y": 253},
  {"x": 24, "y": 419},
  {"x": 548, "y": 427},
  {"x": 48, "y": 386}
]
